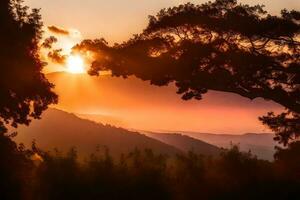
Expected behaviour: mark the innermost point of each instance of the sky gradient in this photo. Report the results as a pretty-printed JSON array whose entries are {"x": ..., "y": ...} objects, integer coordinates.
[
  {"x": 117, "y": 20},
  {"x": 134, "y": 103}
]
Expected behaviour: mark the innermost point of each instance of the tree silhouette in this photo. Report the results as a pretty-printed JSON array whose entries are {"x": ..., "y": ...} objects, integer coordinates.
[
  {"x": 15, "y": 166},
  {"x": 288, "y": 162},
  {"x": 221, "y": 45},
  {"x": 286, "y": 125},
  {"x": 142, "y": 174},
  {"x": 24, "y": 90}
]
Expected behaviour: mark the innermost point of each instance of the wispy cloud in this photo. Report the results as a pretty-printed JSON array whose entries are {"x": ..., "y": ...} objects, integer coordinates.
[{"x": 58, "y": 30}]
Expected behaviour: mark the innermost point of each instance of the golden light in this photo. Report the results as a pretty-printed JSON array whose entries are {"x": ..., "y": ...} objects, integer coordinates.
[{"x": 75, "y": 64}]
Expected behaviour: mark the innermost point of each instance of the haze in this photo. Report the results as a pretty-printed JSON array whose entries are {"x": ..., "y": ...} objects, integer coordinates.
[{"x": 132, "y": 103}]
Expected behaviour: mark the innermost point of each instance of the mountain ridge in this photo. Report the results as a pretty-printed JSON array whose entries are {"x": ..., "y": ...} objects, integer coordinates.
[
  {"x": 260, "y": 144},
  {"x": 138, "y": 105},
  {"x": 62, "y": 130},
  {"x": 185, "y": 143}
]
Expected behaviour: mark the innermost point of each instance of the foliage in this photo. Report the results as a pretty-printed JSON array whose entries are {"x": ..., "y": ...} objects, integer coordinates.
[
  {"x": 24, "y": 90},
  {"x": 220, "y": 45},
  {"x": 142, "y": 174},
  {"x": 15, "y": 169},
  {"x": 286, "y": 125}
]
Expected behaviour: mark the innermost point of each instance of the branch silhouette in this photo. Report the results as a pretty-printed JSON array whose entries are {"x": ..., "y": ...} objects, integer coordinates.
[
  {"x": 24, "y": 90},
  {"x": 221, "y": 45}
]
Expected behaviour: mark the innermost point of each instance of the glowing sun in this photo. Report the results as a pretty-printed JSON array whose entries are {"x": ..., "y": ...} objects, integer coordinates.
[{"x": 75, "y": 64}]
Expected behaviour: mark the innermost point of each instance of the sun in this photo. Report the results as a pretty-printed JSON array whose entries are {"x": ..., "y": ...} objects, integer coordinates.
[{"x": 75, "y": 64}]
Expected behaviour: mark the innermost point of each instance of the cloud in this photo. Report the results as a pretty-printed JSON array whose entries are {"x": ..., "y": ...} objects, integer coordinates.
[{"x": 58, "y": 30}]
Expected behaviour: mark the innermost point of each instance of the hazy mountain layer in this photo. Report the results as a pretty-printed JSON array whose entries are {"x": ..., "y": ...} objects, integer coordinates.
[
  {"x": 260, "y": 144},
  {"x": 185, "y": 143},
  {"x": 62, "y": 130},
  {"x": 58, "y": 129}
]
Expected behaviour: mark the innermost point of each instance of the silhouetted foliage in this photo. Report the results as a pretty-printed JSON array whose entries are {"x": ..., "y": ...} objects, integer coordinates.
[
  {"x": 48, "y": 42},
  {"x": 24, "y": 90},
  {"x": 15, "y": 169},
  {"x": 289, "y": 161},
  {"x": 220, "y": 45},
  {"x": 142, "y": 174},
  {"x": 56, "y": 56},
  {"x": 286, "y": 125}
]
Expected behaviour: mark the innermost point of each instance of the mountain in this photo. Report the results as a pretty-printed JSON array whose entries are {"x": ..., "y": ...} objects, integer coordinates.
[
  {"x": 260, "y": 144},
  {"x": 185, "y": 143},
  {"x": 103, "y": 119},
  {"x": 135, "y": 104},
  {"x": 62, "y": 130}
]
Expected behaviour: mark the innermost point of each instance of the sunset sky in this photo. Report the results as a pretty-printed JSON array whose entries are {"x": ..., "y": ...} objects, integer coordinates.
[
  {"x": 117, "y": 20},
  {"x": 132, "y": 102},
  {"x": 149, "y": 99}
]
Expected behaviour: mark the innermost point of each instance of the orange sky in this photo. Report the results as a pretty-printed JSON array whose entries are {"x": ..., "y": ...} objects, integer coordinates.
[
  {"x": 117, "y": 20},
  {"x": 133, "y": 103}
]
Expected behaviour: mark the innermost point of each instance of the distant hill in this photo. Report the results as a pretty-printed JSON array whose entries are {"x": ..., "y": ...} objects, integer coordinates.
[
  {"x": 135, "y": 104},
  {"x": 260, "y": 144},
  {"x": 62, "y": 130},
  {"x": 103, "y": 119},
  {"x": 185, "y": 143}
]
